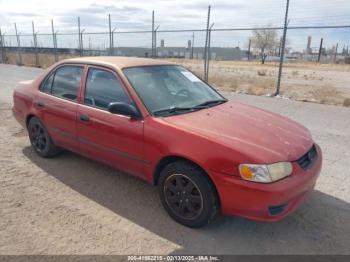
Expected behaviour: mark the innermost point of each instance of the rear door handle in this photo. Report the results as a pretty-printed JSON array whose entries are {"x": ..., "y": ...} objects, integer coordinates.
[
  {"x": 40, "y": 104},
  {"x": 84, "y": 118}
]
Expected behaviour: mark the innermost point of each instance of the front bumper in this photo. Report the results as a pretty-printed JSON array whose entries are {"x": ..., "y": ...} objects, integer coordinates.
[{"x": 267, "y": 202}]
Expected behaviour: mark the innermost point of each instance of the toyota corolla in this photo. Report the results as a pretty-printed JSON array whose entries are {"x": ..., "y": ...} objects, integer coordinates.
[{"x": 160, "y": 122}]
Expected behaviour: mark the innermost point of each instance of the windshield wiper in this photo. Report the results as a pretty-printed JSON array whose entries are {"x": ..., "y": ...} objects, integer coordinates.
[
  {"x": 174, "y": 110},
  {"x": 211, "y": 103}
]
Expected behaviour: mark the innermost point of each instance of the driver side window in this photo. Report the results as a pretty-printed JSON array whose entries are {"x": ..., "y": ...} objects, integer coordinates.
[{"x": 103, "y": 88}]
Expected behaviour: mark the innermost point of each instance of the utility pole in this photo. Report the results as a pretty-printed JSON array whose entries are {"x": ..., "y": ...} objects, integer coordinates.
[
  {"x": 320, "y": 51},
  {"x": 206, "y": 46},
  {"x": 18, "y": 47},
  {"x": 282, "y": 50}
]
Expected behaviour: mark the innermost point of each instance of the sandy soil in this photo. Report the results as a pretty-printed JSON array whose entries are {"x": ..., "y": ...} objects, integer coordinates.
[{"x": 71, "y": 205}]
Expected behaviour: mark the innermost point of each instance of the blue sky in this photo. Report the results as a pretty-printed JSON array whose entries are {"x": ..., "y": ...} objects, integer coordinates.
[{"x": 176, "y": 14}]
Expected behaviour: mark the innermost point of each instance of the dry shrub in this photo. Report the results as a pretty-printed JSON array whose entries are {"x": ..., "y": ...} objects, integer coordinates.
[
  {"x": 223, "y": 82},
  {"x": 262, "y": 72},
  {"x": 320, "y": 95},
  {"x": 346, "y": 102},
  {"x": 28, "y": 59}
]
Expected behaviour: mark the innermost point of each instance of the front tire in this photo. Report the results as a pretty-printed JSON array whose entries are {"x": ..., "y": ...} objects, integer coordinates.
[
  {"x": 40, "y": 139},
  {"x": 187, "y": 194}
]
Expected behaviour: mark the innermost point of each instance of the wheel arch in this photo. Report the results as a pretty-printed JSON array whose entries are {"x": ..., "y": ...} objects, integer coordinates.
[{"x": 28, "y": 117}]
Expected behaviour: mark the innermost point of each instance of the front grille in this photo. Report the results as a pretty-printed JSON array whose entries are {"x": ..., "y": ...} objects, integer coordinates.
[{"x": 308, "y": 160}]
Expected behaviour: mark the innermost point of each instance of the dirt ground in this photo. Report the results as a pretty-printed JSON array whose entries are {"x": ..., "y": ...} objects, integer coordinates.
[{"x": 71, "y": 205}]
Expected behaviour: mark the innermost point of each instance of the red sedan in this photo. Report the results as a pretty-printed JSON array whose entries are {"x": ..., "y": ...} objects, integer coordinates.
[{"x": 158, "y": 121}]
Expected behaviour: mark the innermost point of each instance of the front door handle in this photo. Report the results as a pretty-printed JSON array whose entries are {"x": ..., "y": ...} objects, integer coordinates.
[{"x": 84, "y": 118}]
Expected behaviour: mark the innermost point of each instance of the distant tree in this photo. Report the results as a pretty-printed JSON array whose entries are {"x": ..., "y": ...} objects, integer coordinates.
[{"x": 265, "y": 40}]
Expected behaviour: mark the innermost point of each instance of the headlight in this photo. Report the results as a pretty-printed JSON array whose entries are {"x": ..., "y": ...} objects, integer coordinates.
[{"x": 265, "y": 173}]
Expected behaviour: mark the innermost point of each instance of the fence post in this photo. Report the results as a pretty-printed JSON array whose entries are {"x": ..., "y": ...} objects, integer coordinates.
[
  {"x": 152, "y": 52},
  {"x": 155, "y": 41},
  {"x": 54, "y": 41},
  {"x": 18, "y": 47},
  {"x": 81, "y": 42},
  {"x": 79, "y": 37},
  {"x": 56, "y": 57},
  {"x": 3, "y": 53},
  {"x": 206, "y": 46},
  {"x": 113, "y": 32},
  {"x": 249, "y": 45},
  {"x": 335, "y": 53},
  {"x": 110, "y": 34},
  {"x": 320, "y": 51},
  {"x": 2, "y": 48},
  {"x": 209, "y": 51},
  {"x": 282, "y": 50},
  {"x": 35, "y": 45},
  {"x": 192, "y": 47},
  {"x": 279, "y": 47}
]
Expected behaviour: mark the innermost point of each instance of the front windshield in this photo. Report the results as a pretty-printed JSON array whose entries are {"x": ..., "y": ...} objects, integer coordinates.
[{"x": 170, "y": 86}]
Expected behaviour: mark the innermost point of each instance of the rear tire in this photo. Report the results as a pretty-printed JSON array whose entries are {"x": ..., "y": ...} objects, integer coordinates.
[
  {"x": 187, "y": 194},
  {"x": 40, "y": 139}
]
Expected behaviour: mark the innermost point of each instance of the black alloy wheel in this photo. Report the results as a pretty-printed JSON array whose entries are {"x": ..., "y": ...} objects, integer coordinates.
[
  {"x": 40, "y": 139},
  {"x": 183, "y": 196},
  {"x": 187, "y": 194}
]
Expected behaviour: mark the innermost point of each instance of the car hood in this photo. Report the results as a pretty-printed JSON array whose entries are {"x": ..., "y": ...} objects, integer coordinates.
[{"x": 262, "y": 136}]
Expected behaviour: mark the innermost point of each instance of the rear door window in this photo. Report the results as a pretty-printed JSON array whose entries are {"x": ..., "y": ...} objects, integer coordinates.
[
  {"x": 66, "y": 82},
  {"x": 47, "y": 84}
]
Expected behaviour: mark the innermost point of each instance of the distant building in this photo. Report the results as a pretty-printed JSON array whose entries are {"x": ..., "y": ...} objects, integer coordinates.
[
  {"x": 216, "y": 53},
  {"x": 308, "y": 46}
]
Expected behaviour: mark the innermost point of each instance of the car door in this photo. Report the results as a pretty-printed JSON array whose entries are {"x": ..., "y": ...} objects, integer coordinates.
[
  {"x": 57, "y": 103},
  {"x": 110, "y": 138}
]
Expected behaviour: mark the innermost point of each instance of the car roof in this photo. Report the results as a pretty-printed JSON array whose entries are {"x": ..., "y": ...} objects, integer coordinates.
[{"x": 118, "y": 62}]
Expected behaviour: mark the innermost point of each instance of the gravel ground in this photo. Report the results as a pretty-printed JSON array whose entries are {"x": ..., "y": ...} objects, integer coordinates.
[{"x": 71, "y": 205}]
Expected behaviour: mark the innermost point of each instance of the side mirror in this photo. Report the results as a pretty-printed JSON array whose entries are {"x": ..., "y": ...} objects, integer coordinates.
[{"x": 124, "y": 109}]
